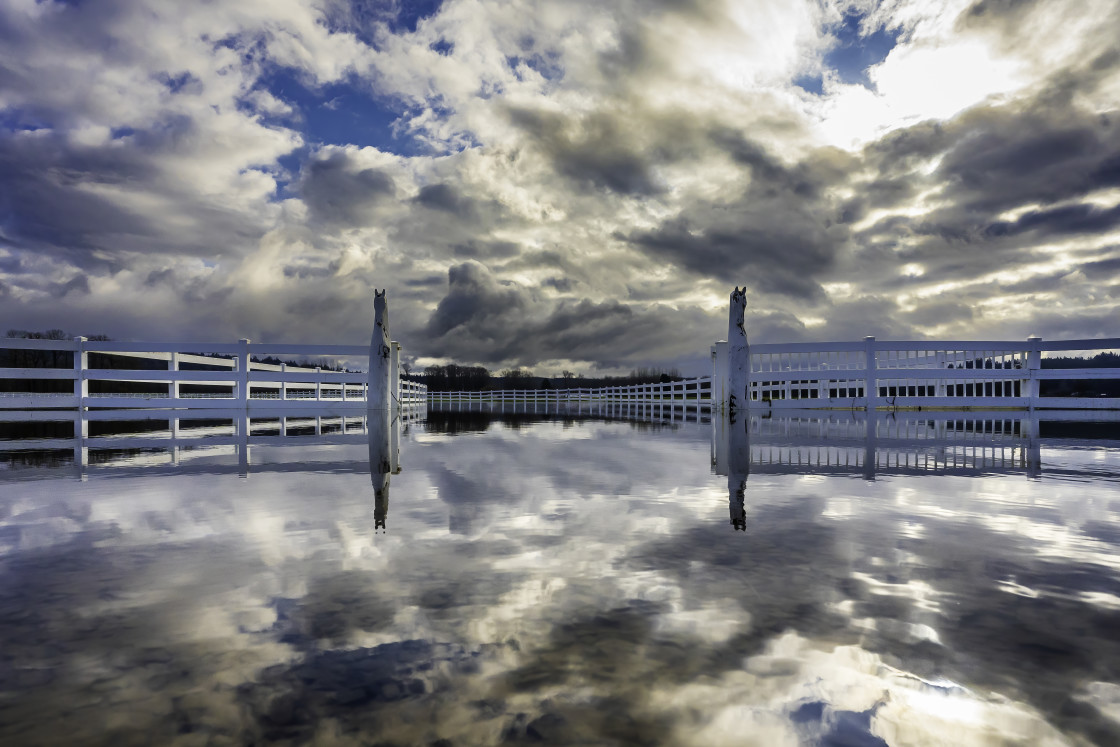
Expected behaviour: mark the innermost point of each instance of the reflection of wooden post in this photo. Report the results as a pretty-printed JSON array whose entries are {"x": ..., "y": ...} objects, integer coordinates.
[
  {"x": 242, "y": 425},
  {"x": 81, "y": 450},
  {"x": 380, "y": 463},
  {"x": 870, "y": 444},
  {"x": 738, "y": 467},
  {"x": 1033, "y": 448}
]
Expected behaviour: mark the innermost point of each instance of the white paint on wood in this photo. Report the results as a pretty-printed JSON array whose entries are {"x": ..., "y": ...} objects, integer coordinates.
[{"x": 738, "y": 352}]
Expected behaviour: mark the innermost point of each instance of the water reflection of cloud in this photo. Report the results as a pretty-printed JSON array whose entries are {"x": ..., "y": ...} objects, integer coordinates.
[{"x": 539, "y": 587}]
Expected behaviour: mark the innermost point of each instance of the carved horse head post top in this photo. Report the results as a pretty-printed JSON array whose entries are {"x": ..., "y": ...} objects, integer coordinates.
[
  {"x": 379, "y": 395},
  {"x": 738, "y": 351}
]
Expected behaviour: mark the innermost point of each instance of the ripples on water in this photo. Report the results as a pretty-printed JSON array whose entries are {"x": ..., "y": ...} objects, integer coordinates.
[{"x": 529, "y": 578}]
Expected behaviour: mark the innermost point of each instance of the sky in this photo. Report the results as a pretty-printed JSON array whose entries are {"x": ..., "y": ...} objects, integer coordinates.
[{"x": 560, "y": 185}]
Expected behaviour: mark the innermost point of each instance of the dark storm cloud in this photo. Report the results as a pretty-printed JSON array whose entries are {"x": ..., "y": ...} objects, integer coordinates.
[
  {"x": 596, "y": 150},
  {"x": 783, "y": 230},
  {"x": 446, "y": 198},
  {"x": 1038, "y": 158},
  {"x": 93, "y": 205},
  {"x": 1070, "y": 219},
  {"x": 483, "y": 319},
  {"x": 1105, "y": 267},
  {"x": 482, "y": 250},
  {"x": 45, "y": 202},
  {"x": 476, "y": 299},
  {"x": 341, "y": 193}
]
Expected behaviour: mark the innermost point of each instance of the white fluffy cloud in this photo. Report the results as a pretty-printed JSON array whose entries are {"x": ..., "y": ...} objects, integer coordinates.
[{"x": 254, "y": 169}]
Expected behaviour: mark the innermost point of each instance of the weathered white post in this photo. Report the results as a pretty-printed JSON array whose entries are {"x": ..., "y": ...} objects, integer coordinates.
[
  {"x": 738, "y": 353},
  {"x": 81, "y": 363},
  {"x": 1034, "y": 364},
  {"x": 173, "y": 387},
  {"x": 870, "y": 382},
  {"x": 379, "y": 354},
  {"x": 395, "y": 373},
  {"x": 243, "y": 372}
]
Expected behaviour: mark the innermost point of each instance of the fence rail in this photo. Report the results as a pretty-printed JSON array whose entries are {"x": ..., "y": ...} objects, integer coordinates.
[
  {"x": 226, "y": 369},
  {"x": 687, "y": 392},
  {"x": 911, "y": 374}
]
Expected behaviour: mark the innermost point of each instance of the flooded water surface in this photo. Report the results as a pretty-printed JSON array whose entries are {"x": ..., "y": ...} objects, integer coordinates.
[{"x": 455, "y": 578}]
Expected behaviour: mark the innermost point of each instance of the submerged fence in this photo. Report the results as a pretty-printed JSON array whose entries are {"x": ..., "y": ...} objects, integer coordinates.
[
  {"x": 182, "y": 375},
  {"x": 911, "y": 374}
]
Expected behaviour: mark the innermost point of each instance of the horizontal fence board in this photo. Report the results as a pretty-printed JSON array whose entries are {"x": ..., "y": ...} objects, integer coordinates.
[
  {"x": 18, "y": 343},
  {"x": 37, "y": 373},
  {"x": 771, "y": 348},
  {"x": 1104, "y": 343},
  {"x": 166, "y": 377},
  {"x": 1081, "y": 403},
  {"x": 265, "y": 348},
  {"x": 163, "y": 347},
  {"x": 1052, "y": 374},
  {"x": 290, "y": 376}
]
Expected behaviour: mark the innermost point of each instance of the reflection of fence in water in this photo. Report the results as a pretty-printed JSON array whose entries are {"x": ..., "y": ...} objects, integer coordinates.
[
  {"x": 154, "y": 437},
  {"x": 962, "y": 443}
]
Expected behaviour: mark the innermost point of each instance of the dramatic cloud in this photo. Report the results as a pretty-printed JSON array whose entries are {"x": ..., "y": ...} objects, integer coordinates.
[{"x": 568, "y": 184}]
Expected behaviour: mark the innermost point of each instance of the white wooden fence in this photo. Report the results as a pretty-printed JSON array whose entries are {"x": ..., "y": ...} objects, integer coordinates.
[
  {"x": 911, "y": 374},
  {"x": 684, "y": 393},
  {"x": 226, "y": 369}
]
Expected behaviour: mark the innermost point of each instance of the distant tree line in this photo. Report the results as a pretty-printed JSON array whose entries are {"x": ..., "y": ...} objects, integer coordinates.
[
  {"x": 456, "y": 378},
  {"x": 1081, "y": 387}
]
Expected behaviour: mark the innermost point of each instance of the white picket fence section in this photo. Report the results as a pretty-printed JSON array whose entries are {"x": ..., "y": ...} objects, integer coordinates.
[
  {"x": 229, "y": 366},
  {"x": 911, "y": 374},
  {"x": 694, "y": 392}
]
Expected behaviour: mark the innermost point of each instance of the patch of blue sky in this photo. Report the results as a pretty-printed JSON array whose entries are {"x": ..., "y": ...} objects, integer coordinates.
[
  {"x": 546, "y": 65},
  {"x": 363, "y": 18},
  {"x": 21, "y": 120},
  {"x": 855, "y": 52},
  {"x": 812, "y": 83},
  {"x": 412, "y": 12},
  {"x": 338, "y": 113}
]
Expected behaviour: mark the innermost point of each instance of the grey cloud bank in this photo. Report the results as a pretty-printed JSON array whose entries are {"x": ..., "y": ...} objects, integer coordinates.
[{"x": 559, "y": 184}]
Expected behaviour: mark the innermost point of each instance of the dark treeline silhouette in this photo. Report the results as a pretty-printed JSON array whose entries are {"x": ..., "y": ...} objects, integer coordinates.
[
  {"x": 455, "y": 378},
  {"x": 1081, "y": 387}
]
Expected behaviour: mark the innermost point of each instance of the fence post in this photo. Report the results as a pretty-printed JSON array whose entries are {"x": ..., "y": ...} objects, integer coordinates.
[
  {"x": 1034, "y": 364},
  {"x": 81, "y": 364},
  {"x": 870, "y": 383},
  {"x": 173, "y": 387},
  {"x": 243, "y": 371},
  {"x": 394, "y": 372},
  {"x": 283, "y": 381}
]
